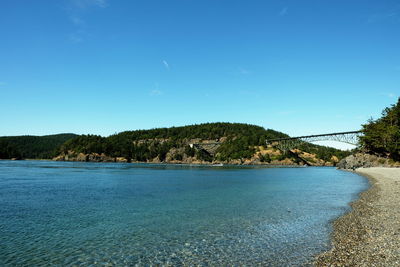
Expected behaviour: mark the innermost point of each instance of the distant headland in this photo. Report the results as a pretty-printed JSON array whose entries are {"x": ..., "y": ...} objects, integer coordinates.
[
  {"x": 208, "y": 143},
  {"x": 212, "y": 143}
]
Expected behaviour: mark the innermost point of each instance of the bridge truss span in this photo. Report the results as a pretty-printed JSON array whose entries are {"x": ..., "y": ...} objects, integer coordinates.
[{"x": 289, "y": 143}]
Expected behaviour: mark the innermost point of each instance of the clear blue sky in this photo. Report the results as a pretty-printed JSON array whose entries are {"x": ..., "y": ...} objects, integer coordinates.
[{"x": 104, "y": 66}]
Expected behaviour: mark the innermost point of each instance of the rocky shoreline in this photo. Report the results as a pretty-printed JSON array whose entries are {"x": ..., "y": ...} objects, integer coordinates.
[
  {"x": 170, "y": 159},
  {"x": 369, "y": 235},
  {"x": 364, "y": 160}
]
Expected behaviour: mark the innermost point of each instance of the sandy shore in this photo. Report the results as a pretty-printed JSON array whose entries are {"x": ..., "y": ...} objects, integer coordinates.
[{"x": 370, "y": 234}]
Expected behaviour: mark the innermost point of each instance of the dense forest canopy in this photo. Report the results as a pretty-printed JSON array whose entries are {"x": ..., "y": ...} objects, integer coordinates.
[
  {"x": 237, "y": 141},
  {"x": 142, "y": 145},
  {"x": 382, "y": 136},
  {"x": 32, "y": 147}
]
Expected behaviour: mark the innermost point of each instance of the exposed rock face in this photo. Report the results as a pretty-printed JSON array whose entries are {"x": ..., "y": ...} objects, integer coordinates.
[
  {"x": 92, "y": 157},
  {"x": 364, "y": 160},
  {"x": 59, "y": 158},
  {"x": 119, "y": 159},
  {"x": 83, "y": 157},
  {"x": 178, "y": 156}
]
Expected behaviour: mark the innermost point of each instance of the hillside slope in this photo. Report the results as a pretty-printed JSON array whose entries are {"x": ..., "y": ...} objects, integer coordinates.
[
  {"x": 32, "y": 147},
  {"x": 231, "y": 143}
]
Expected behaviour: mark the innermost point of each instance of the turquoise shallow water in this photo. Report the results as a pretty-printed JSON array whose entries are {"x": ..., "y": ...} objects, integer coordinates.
[{"x": 65, "y": 213}]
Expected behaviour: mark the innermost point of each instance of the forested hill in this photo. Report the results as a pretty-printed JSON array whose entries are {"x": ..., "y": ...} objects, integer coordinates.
[
  {"x": 238, "y": 144},
  {"x": 32, "y": 147},
  {"x": 143, "y": 145}
]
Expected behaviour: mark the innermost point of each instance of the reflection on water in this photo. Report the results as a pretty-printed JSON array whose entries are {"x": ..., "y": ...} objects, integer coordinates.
[{"x": 65, "y": 213}]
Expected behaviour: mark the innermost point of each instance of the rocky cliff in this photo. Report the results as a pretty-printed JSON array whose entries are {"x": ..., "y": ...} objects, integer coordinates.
[
  {"x": 262, "y": 156},
  {"x": 92, "y": 157},
  {"x": 359, "y": 160}
]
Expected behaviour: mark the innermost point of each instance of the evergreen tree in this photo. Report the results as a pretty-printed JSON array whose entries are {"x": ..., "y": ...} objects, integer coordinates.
[{"x": 382, "y": 136}]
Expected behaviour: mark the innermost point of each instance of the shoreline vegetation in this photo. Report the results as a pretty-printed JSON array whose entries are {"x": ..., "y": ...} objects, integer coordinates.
[
  {"x": 207, "y": 164},
  {"x": 208, "y": 143},
  {"x": 369, "y": 235}
]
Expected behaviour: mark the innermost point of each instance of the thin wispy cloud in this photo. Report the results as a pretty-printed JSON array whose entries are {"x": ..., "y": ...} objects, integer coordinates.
[
  {"x": 390, "y": 95},
  {"x": 283, "y": 11},
  {"x": 361, "y": 117},
  {"x": 389, "y": 16},
  {"x": 248, "y": 93},
  {"x": 89, "y": 3},
  {"x": 77, "y": 21},
  {"x": 166, "y": 65},
  {"x": 286, "y": 112},
  {"x": 76, "y": 37},
  {"x": 80, "y": 29},
  {"x": 156, "y": 92},
  {"x": 243, "y": 71},
  {"x": 100, "y": 3},
  {"x": 76, "y": 13},
  {"x": 79, "y": 34}
]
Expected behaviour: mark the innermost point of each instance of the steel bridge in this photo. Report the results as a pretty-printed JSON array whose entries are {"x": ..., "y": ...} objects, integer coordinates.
[{"x": 288, "y": 143}]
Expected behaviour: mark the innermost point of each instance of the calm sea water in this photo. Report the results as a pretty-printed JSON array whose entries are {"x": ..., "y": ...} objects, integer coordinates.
[{"x": 64, "y": 213}]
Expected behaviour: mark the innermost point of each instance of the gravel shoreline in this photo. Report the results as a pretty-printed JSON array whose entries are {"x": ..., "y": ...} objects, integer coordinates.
[{"x": 369, "y": 235}]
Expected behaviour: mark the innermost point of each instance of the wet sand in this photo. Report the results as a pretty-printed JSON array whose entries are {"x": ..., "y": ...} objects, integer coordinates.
[{"x": 369, "y": 235}]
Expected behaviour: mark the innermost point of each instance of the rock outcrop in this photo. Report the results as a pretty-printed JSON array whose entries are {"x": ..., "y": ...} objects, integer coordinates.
[
  {"x": 262, "y": 156},
  {"x": 92, "y": 157},
  {"x": 359, "y": 160}
]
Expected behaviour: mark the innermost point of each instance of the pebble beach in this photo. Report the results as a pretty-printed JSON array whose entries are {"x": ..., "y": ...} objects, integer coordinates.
[{"x": 369, "y": 235}]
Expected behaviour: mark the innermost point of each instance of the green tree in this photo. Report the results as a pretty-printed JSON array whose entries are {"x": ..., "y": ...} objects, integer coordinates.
[{"x": 382, "y": 136}]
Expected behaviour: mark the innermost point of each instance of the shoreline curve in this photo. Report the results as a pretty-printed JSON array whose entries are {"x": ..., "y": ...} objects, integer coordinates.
[{"x": 368, "y": 235}]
